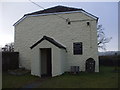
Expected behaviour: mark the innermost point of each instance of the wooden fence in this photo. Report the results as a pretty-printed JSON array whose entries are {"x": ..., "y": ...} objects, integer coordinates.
[
  {"x": 113, "y": 60},
  {"x": 10, "y": 60}
]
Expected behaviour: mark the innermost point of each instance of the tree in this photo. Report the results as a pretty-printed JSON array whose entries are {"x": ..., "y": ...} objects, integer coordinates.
[
  {"x": 8, "y": 47},
  {"x": 102, "y": 39}
]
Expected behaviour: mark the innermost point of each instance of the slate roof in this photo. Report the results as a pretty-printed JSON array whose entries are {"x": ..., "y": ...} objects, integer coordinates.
[
  {"x": 51, "y": 40},
  {"x": 55, "y": 10}
]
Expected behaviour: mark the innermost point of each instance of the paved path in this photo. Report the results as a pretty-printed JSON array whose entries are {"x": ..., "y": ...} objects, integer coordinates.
[
  {"x": 32, "y": 85},
  {"x": 35, "y": 84}
]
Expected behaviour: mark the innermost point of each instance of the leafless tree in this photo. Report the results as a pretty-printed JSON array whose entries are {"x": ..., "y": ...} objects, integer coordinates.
[
  {"x": 102, "y": 39},
  {"x": 8, "y": 47}
]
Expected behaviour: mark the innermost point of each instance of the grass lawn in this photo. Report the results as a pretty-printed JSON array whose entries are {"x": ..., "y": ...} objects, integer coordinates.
[
  {"x": 12, "y": 81},
  {"x": 106, "y": 78}
]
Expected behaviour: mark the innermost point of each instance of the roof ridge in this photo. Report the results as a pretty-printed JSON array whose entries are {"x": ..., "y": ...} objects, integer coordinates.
[{"x": 58, "y": 8}]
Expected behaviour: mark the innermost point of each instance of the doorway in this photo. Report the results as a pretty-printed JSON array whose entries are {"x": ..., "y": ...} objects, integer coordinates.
[
  {"x": 90, "y": 65},
  {"x": 46, "y": 65}
]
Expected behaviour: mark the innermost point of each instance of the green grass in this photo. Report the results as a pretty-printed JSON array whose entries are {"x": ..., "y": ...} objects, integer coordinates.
[
  {"x": 12, "y": 81},
  {"x": 106, "y": 78}
]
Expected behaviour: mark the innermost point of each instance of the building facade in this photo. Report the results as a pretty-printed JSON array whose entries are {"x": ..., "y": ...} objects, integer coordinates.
[{"x": 50, "y": 41}]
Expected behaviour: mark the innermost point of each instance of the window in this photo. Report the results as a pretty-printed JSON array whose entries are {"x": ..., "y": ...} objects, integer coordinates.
[{"x": 77, "y": 48}]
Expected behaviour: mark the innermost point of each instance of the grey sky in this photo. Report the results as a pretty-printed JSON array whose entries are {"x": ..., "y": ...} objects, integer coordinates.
[{"x": 106, "y": 11}]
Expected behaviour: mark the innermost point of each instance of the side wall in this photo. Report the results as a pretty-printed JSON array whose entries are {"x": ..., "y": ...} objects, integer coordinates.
[
  {"x": 64, "y": 60},
  {"x": 33, "y": 28}
]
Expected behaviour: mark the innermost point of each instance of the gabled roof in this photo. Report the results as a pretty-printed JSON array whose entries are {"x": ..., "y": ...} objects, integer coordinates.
[
  {"x": 56, "y": 10},
  {"x": 51, "y": 40}
]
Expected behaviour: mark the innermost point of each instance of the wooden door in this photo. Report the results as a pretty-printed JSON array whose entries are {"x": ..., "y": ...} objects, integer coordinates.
[{"x": 90, "y": 65}]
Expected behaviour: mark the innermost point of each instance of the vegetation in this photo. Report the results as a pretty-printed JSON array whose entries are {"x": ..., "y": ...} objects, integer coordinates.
[
  {"x": 106, "y": 78},
  {"x": 13, "y": 81},
  {"x": 102, "y": 39},
  {"x": 8, "y": 47}
]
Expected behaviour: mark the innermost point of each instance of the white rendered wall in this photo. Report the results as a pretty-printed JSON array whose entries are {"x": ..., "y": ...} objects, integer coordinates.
[
  {"x": 33, "y": 28},
  {"x": 55, "y": 59}
]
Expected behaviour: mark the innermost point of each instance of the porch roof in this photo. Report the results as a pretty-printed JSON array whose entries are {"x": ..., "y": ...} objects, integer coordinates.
[{"x": 51, "y": 40}]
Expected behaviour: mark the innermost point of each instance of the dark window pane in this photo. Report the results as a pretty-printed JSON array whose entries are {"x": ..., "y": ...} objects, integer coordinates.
[{"x": 77, "y": 48}]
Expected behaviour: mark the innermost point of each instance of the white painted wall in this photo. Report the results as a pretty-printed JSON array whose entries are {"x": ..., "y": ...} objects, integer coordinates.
[
  {"x": 33, "y": 28},
  {"x": 57, "y": 68}
]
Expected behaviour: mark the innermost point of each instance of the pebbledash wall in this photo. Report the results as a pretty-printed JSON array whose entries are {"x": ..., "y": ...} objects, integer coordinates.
[{"x": 33, "y": 28}]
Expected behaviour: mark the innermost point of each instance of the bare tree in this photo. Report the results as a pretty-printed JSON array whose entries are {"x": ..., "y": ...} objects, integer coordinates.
[
  {"x": 102, "y": 39},
  {"x": 8, "y": 47}
]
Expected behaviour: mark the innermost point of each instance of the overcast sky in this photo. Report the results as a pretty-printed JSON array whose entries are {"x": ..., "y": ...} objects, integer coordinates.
[{"x": 106, "y": 11}]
